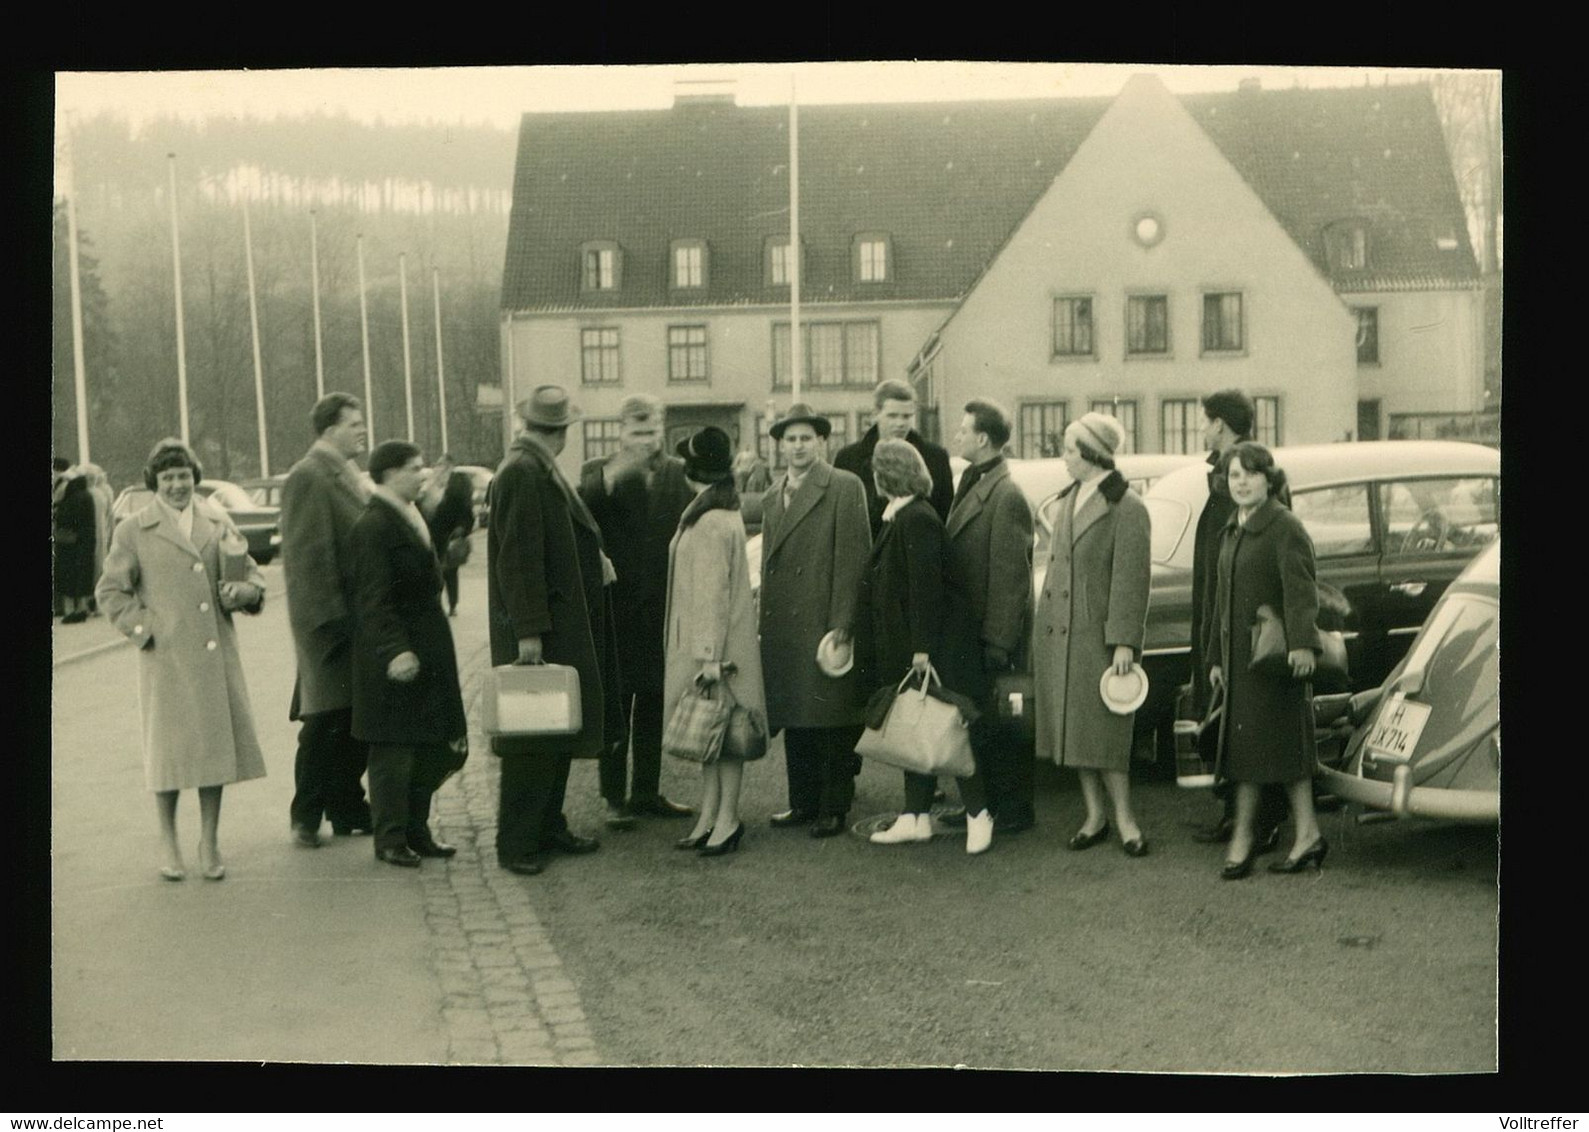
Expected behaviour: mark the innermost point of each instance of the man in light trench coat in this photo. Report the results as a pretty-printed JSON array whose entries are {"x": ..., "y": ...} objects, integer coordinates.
[{"x": 815, "y": 541}]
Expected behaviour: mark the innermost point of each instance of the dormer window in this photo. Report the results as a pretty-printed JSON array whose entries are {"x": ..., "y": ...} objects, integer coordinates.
[
  {"x": 779, "y": 268},
  {"x": 1347, "y": 245},
  {"x": 601, "y": 265},
  {"x": 689, "y": 265},
  {"x": 874, "y": 259}
]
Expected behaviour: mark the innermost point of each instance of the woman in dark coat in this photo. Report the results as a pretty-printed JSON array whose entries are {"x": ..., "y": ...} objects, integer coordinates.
[
  {"x": 75, "y": 539},
  {"x": 406, "y": 702},
  {"x": 452, "y": 518},
  {"x": 1266, "y": 730},
  {"x": 907, "y": 619}
]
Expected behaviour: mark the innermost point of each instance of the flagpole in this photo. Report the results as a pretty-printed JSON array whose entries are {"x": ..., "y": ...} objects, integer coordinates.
[
  {"x": 176, "y": 266},
  {"x": 441, "y": 373},
  {"x": 796, "y": 353},
  {"x": 408, "y": 368},
  {"x": 364, "y": 337},
  {"x": 314, "y": 275},
  {"x": 79, "y": 366},
  {"x": 253, "y": 323}
]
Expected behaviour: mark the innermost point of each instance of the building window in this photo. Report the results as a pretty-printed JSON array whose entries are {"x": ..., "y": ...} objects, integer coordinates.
[
  {"x": 601, "y": 265},
  {"x": 873, "y": 263},
  {"x": 1223, "y": 328},
  {"x": 1346, "y": 244},
  {"x": 1266, "y": 421},
  {"x": 1148, "y": 324},
  {"x": 1041, "y": 430},
  {"x": 1181, "y": 426},
  {"x": 1073, "y": 326},
  {"x": 1126, "y": 413},
  {"x": 777, "y": 261},
  {"x": 687, "y": 353},
  {"x": 1367, "y": 335},
  {"x": 598, "y": 356},
  {"x": 836, "y": 354},
  {"x": 601, "y": 438},
  {"x": 689, "y": 264}
]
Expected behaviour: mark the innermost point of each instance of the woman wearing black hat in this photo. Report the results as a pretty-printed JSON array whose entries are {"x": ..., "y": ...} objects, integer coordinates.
[{"x": 711, "y": 625}]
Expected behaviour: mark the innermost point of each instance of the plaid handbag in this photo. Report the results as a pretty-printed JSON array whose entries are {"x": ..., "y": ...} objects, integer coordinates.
[{"x": 695, "y": 729}]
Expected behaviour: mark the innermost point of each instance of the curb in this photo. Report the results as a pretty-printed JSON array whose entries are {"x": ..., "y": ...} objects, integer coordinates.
[{"x": 107, "y": 646}]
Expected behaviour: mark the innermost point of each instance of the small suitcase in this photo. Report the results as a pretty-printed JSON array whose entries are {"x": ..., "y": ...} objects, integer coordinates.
[
  {"x": 1016, "y": 703},
  {"x": 526, "y": 700}
]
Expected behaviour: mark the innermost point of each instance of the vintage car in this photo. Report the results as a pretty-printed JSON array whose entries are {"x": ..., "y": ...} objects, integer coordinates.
[
  {"x": 1427, "y": 741},
  {"x": 258, "y": 523},
  {"x": 1393, "y": 523}
]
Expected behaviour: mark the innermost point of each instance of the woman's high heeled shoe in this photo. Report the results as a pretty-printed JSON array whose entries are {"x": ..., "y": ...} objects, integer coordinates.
[
  {"x": 1312, "y": 856},
  {"x": 727, "y": 845},
  {"x": 1235, "y": 870},
  {"x": 693, "y": 842}
]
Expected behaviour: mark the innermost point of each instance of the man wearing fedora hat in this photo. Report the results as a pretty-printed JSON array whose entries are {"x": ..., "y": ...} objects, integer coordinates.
[
  {"x": 895, "y": 419},
  {"x": 815, "y": 541},
  {"x": 548, "y": 604},
  {"x": 637, "y": 495}
]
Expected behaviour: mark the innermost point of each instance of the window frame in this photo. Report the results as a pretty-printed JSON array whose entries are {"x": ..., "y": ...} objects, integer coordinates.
[
  {"x": 1393, "y": 553},
  {"x": 1133, "y": 433},
  {"x": 1192, "y": 429},
  {"x": 689, "y": 349},
  {"x": 1131, "y": 354},
  {"x": 781, "y": 378},
  {"x": 1022, "y": 432},
  {"x": 703, "y": 266},
  {"x": 1091, "y": 352},
  {"x": 1373, "y": 318},
  {"x": 600, "y": 350},
  {"x": 600, "y": 445},
  {"x": 858, "y": 257},
  {"x": 770, "y": 245},
  {"x": 1221, "y": 351},
  {"x": 1370, "y": 495},
  {"x": 596, "y": 247},
  {"x": 1269, "y": 435}
]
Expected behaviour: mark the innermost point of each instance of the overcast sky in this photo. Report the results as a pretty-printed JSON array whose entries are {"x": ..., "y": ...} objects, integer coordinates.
[{"x": 498, "y": 95}]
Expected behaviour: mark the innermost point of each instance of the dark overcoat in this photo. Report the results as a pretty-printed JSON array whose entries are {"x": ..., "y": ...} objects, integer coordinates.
[
  {"x": 990, "y": 569},
  {"x": 638, "y": 519},
  {"x": 1095, "y": 597},
  {"x": 857, "y": 460},
  {"x": 1205, "y": 570},
  {"x": 903, "y": 606},
  {"x": 320, "y": 501},
  {"x": 1266, "y": 732},
  {"x": 543, "y": 561},
  {"x": 812, "y": 557},
  {"x": 397, "y": 609},
  {"x": 75, "y": 539}
]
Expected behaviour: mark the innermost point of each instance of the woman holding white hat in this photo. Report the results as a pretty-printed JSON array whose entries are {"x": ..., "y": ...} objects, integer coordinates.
[{"x": 1088, "y": 631}]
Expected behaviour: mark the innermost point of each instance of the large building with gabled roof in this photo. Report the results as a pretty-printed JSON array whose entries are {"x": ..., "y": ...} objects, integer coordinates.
[{"x": 1058, "y": 255}]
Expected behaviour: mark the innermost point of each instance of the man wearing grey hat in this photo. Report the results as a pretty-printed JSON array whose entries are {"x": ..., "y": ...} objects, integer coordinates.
[
  {"x": 548, "y": 604},
  {"x": 637, "y": 495},
  {"x": 814, "y": 544}
]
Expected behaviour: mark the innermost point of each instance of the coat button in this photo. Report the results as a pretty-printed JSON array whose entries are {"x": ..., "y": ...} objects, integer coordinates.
[
  {"x": 197, "y": 566},
  {"x": 1050, "y": 629},
  {"x": 210, "y": 645},
  {"x": 137, "y": 628},
  {"x": 204, "y": 607},
  {"x": 1062, "y": 628}
]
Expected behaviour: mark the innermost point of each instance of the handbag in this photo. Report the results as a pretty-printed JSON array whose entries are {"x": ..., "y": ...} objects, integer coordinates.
[
  {"x": 920, "y": 733},
  {"x": 699, "y": 721},
  {"x": 457, "y": 552},
  {"x": 1194, "y": 768},
  {"x": 1270, "y": 655},
  {"x": 744, "y": 735},
  {"x": 532, "y": 700}
]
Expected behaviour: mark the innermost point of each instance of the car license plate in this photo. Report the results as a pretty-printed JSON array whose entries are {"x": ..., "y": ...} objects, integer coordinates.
[{"x": 1396, "y": 731}]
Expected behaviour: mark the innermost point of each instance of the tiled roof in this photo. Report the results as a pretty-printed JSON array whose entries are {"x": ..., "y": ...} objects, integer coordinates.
[{"x": 948, "y": 182}]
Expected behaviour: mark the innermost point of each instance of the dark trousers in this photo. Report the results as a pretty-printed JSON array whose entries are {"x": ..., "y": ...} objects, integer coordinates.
[
  {"x": 326, "y": 772},
  {"x": 821, "y": 764},
  {"x": 402, "y": 781},
  {"x": 642, "y": 727},
  {"x": 919, "y": 789},
  {"x": 530, "y": 804},
  {"x": 1008, "y": 766},
  {"x": 450, "y": 579}
]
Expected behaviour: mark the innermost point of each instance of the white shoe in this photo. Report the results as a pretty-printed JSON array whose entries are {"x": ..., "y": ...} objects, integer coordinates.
[
  {"x": 979, "y": 832},
  {"x": 906, "y": 827}
]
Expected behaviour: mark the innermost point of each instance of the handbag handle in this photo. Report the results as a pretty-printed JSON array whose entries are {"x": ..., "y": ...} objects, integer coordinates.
[{"x": 931, "y": 678}]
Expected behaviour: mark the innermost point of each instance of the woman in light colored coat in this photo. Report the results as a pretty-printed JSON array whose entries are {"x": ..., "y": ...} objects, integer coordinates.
[
  {"x": 1092, "y": 617},
  {"x": 711, "y": 625},
  {"x": 164, "y": 587}
]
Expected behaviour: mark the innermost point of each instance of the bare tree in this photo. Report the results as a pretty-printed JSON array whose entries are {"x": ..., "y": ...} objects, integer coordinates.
[{"x": 1469, "y": 105}]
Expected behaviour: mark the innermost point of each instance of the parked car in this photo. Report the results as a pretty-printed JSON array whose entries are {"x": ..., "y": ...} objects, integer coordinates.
[
  {"x": 482, "y": 480},
  {"x": 259, "y": 524},
  {"x": 1427, "y": 741},
  {"x": 265, "y": 492},
  {"x": 1393, "y": 523}
]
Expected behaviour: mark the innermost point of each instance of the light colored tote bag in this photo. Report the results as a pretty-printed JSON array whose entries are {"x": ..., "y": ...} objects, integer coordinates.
[{"x": 921, "y": 733}]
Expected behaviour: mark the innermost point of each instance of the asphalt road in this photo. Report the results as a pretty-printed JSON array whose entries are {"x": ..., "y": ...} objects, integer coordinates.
[{"x": 790, "y": 952}]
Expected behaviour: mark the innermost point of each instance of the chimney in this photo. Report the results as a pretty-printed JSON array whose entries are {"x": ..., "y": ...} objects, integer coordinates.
[
  {"x": 703, "y": 92},
  {"x": 1250, "y": 83}
]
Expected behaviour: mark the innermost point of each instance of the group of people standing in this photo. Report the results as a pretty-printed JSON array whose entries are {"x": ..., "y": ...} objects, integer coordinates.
[
  {"x": 80, "y": 503},
  {"x": 874, "y": 568}
]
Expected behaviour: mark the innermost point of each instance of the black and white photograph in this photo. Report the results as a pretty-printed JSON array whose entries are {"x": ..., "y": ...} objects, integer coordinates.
[{"x": 873, "y": 565}]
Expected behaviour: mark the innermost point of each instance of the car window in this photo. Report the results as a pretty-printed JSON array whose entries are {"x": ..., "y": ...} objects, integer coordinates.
[
  {"x": 1438, "y": 516},
  {"x": 1336, "y": 519},
  {"x": 1169, "y": 519}
]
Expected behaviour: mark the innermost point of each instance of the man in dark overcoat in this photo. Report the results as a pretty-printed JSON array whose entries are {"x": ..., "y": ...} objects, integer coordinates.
[
  {"x": 990, "y": 570},
  {"x": 322, "y": 498},
  {"x": 637, "y": 495},
  {"x": 406, "y": 702},
  {"x": 814, "y": 545},
  {"x": 1228, "y": 418},
  {"x": 548, "y": 604},
  {"x": 895, "y": 419}
]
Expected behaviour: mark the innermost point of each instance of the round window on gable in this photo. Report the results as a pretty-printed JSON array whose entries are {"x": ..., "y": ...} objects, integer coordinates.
[{"x": 1147, "y": 229}]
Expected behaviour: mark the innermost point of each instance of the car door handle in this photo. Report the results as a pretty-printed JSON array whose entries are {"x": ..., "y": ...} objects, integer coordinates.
[{"x": 1410, "y": 589}]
